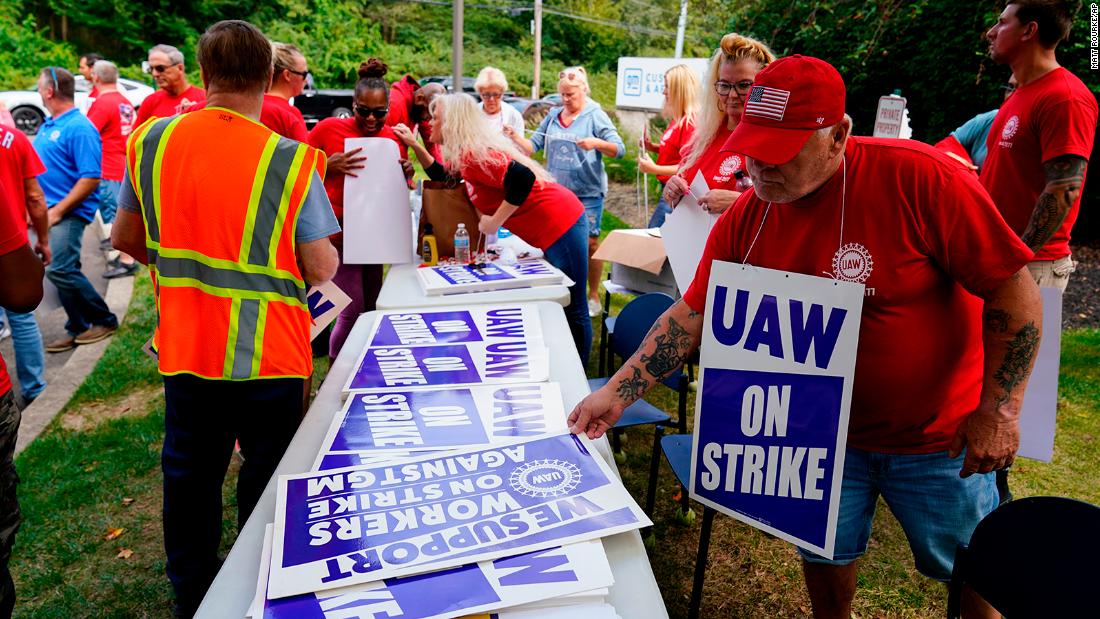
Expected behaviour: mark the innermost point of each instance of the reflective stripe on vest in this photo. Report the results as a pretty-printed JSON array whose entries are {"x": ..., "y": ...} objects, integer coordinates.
[{"x": 252, "y": 281}]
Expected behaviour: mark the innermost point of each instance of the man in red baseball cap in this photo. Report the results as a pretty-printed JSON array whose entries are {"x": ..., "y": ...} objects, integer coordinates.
[{"x": 946, "y": 288}]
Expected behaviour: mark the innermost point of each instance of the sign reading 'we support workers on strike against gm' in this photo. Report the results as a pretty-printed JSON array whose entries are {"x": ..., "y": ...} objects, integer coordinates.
[
  {"x": 348, "y": 526},
  {"x": 776, "y": 367}
]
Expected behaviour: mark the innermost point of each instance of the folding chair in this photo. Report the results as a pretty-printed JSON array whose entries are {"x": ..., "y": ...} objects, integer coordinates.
[{"x": 1032, "y": 557}]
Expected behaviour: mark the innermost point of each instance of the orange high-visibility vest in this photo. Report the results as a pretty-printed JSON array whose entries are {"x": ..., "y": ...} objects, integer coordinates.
[{"x": 220, "y": 197}]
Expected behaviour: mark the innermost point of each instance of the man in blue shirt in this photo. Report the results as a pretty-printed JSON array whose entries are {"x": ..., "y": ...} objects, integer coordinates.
[{"x": 69, "y": 146}]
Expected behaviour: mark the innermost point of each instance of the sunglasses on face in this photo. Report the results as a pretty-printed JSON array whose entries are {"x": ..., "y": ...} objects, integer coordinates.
[
  {"x": 724, "y": 88},
  {"x": 53, "y": 74},
  {"x": 302, "y": 74},
  {"x": 160, "y": 68},
  {"x": 378, "y": 112}
]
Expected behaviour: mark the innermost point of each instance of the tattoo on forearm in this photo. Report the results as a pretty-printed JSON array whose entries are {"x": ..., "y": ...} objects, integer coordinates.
[
  {"x": 1017, "y": 360},
  {"x": 1065, "y": 176},
  {"x": 670, "y": 351},
  {"x": 996, "y": 320},
  {"x": 630, "y": 389}
]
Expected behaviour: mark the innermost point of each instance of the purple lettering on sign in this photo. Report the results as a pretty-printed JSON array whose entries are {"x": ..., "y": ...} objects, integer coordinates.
[
  {"x": 419, "y": 328},
  {"x": 416, "y": 366},
  {"x": 410, "y": 420},
  {"x": 467, "y": 274}
]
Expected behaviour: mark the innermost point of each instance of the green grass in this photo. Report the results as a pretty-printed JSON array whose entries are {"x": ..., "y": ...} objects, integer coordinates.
[{"x": 79, "y": 478}]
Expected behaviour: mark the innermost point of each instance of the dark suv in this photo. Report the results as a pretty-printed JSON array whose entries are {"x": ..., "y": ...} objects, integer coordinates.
[{"x": 317, "y": 104}]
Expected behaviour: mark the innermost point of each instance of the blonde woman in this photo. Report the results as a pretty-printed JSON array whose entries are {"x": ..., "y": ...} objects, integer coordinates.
[
  {"x": 508, "y": 187},
  {"x": 729, "y": 79},
  {"x": 491, "y": 86},
  {"x": 577, "y": 136},
  {"x": 681, "y": 90}
]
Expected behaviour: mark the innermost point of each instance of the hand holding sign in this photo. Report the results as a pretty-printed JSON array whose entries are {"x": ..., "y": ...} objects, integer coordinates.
[
  {"x": 675, "y": 189},
  {"x": 596, "y": 414}
]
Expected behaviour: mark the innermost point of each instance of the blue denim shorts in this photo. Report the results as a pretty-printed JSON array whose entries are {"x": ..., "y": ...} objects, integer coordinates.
[
  {"x": 593, "y": 210},
  {"x": 936, "y": 508}
]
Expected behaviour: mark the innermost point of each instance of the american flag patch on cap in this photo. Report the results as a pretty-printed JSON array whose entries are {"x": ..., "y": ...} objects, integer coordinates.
[{"x": 767, "y": 102}]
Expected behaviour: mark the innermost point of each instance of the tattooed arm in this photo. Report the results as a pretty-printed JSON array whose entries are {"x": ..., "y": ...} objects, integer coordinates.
[
  {"x": 1012, "y": 323},
  {"x": 666, "y": 347},
  {"x": 1065, "y": 177}
]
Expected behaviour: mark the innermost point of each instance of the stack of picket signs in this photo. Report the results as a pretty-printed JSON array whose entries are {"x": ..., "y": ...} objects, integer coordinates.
[
  {"x": 448, "y": 485},
  {"x": 454, "y": 278}
]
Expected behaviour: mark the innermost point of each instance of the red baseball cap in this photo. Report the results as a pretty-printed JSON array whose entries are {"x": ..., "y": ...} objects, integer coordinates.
[{"x": 790, "y": 99}]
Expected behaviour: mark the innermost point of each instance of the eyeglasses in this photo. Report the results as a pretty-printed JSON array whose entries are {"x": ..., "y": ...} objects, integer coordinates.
[
  {"x": 491, "y": 95},
  {"x": 53, "y": 74},
  {"x": 723, "y": 88},
  {"x": 378, "y": 112},
  {"x": 302, "y": 74},
  {"x": 158, "y": 68},
  {"x": 1009, "y": 88}
]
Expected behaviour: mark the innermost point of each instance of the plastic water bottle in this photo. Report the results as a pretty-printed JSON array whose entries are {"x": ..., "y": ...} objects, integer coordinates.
[
  {"x": 462, "y": 245},
  {"x": 744, "y": 183}
]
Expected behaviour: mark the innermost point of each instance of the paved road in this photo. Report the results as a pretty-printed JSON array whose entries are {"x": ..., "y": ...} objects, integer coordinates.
[{"x": 50, "y": 314}]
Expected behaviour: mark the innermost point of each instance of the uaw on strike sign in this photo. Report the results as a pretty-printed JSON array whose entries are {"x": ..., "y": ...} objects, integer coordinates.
[{"x": 776, "y": 367}]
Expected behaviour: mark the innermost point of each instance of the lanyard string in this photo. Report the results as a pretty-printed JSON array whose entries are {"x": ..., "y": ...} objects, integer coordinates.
[{"x": 843, "y": 202}]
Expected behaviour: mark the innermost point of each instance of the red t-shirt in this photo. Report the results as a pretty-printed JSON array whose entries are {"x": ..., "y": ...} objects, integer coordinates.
[
  {"x": 18, "y": 162},
  {"x": 283, "y": 118},
  {"x": 401, "y": 101},
  {"x": 673, "y": 141},
  {"x": 329, "y": 135},
  {"x": 925, "y": 238},
  {"x": 113, "y": 114},
  {"x": 543, "y": 217},
  {"x": 162, "y": 105},
  {"x": 718, "y": 166},
  {"x": 1053, "y": 116}
]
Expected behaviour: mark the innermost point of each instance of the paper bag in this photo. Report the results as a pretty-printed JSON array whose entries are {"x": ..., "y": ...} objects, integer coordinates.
[{"x": 445, "y": 205}]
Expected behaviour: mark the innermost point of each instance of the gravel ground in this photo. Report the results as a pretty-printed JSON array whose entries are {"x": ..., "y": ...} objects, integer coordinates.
[{"x": 1080, "y": 306}]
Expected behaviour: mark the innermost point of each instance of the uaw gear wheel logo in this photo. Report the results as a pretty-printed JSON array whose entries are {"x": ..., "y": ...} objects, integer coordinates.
[
  {"x": 545, "y": 478},
  {"x": 730, "y": 165},
  {"x": 852, "y": 263},
  {"x": 1011, "y": 126}
]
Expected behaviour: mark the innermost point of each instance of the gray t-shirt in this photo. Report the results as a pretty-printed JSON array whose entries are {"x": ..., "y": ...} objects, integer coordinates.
[{"x": 315, "y": 219}]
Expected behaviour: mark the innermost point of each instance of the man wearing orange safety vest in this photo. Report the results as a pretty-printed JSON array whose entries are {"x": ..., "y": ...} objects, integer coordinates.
[{"x": 232, "y": 220}]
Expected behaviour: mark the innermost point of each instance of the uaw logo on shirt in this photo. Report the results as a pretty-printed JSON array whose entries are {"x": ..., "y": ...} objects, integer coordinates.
[
  {"x": 545, "y": 478},
  {"x": 852, "y": 263},
  {"x": 727, "y": 168},
  {"x": 1012, "y": 125}
]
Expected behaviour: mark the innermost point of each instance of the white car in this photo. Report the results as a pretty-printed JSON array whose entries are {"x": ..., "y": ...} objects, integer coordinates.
[{"x": 28, "y": 112}]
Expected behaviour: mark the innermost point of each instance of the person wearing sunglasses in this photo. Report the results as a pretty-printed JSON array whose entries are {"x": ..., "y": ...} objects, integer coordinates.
[
  {"x": 491, "y": 86},
  {"x": 576, "y": 137},
  {"x": 727, "y": 86},
  {"x": 288, "y": 81},
  {"x": 508, "y": 188},
  {"x": 967, "y": 143},
  {"x": 370, "y": 107},
  {"x": 175, "y": 95}
]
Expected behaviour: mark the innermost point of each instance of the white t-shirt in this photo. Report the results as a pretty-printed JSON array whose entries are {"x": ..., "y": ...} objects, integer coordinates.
[{"x": 507, "y": 115}]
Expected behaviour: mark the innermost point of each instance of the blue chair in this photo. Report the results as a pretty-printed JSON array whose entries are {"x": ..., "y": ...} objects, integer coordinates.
[
  {"x": 677, "y": 450},
  {"x": 1033, "y": 557}
]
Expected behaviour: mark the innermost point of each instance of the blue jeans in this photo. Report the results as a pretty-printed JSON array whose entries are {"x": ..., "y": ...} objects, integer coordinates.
[
  {"x": 663, "y": 210},
  {"x": 30, "y": 360},
  {"x": 570, "y": 254},
  {"x": 202, "y": 419},
  {"x": 82, "y": 303},
  {"x": 936, "y": 508},
  {"x": 108, "y": 199},
  {"x": 593, "y": 212}
]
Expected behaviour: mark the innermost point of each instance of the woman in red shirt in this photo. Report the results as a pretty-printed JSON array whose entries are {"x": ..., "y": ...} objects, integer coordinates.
[
  {"x": 680, "y": 90},
  {"x": 507, "y": 186},
  {"x": 729, "y": 79},
  {"x": 370, "y": 104}
]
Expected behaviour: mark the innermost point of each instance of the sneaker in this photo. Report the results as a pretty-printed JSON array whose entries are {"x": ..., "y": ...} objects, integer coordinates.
[
  {"x": 95, "y": 334},
  {"x": 61, "y": 344},
  {"x": 594, "y": 308},
  {"x": 122, "y": 270}
]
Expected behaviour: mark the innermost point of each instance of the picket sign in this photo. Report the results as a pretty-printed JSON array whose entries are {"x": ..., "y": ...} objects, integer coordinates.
[
  {"x": 397, "y": 421},
  {"x": 1039, "y": 411},
  {"x": 776, "y": 368},
  {"x": 361, "y": 524},
  {"x": 456, "y": 325},
  {"x": 457, "y": 278},
  {"x": 325, "y": 304},
  {"x": 474, "y": 363}
]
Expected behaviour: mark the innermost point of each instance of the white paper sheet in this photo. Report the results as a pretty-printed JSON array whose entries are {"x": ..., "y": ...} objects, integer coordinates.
[
  {"x": 685, "y": 234},
  {"x": 1038, "y": 415},
  {"x": 376, "y": 206}
]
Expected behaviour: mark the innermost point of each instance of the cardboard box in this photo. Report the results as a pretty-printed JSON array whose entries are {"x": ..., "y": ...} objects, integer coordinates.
[{"x": 638, "y": 261}]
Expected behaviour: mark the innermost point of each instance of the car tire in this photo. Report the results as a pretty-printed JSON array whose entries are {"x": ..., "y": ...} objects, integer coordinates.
[
  {"x": 27, "y": 119},
  {"x": 341, "y": 112}
]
